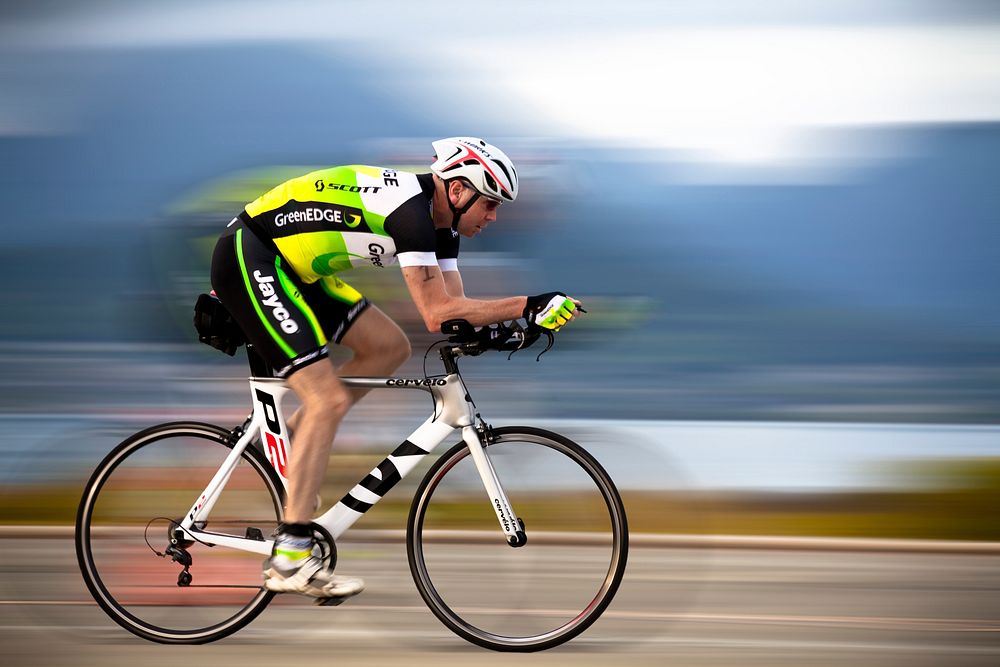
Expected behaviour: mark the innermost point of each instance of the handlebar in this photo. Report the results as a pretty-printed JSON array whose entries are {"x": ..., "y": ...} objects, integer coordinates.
[{"x": 506, "y": 337}]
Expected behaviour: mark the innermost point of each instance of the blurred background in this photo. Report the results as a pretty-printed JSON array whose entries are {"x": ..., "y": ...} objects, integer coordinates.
[{"x": 784, "y": 219}]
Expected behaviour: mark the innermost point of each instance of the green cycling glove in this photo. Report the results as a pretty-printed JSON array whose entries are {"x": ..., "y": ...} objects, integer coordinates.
[{"x": 549, "y": 311}]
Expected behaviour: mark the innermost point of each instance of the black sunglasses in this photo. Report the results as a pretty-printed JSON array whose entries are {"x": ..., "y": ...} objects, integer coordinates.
[{"x": 491, "y": 203}]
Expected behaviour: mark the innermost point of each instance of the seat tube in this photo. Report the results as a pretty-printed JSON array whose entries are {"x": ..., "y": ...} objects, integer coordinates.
[
  {"x": 498, "y": 499},
  {"x": 269, "y": 422},
  {"x": 203, "y": 507}
]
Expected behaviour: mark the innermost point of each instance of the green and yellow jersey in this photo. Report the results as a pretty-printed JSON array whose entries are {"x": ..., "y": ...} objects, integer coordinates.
[{"x": 335, "y": 219}]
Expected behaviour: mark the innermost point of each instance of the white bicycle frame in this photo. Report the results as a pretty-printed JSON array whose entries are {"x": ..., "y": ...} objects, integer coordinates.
[{"x": 453, "y": 409}]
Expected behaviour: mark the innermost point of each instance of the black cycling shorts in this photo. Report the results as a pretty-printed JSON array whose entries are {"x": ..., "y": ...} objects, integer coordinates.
[{"x": 288, "y": 321}]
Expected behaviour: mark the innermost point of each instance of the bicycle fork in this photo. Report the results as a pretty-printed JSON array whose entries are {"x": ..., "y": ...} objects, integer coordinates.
[{"x": 512, "y": 525}]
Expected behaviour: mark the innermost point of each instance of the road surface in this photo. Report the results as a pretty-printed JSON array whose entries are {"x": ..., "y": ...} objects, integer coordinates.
[{"x": 685, "y": 606}]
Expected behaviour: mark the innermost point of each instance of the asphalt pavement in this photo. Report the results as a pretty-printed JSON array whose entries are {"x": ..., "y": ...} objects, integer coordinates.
[{"x": 677, "y": 606}]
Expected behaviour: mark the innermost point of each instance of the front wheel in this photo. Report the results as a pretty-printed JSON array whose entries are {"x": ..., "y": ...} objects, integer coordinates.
[
  {"x": 525, "y": 598},
  {"x": 183, "y": 592}
]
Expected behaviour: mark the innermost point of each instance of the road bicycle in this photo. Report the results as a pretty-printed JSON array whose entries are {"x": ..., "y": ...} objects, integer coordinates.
[{"x": 516, "y": 537}]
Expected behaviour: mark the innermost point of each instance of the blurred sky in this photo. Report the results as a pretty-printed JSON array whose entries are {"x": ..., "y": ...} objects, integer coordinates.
[{"x": 730, "y": 81}]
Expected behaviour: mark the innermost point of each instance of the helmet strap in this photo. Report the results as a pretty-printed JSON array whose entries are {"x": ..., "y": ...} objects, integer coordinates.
[{"x": 456, "y": 212}]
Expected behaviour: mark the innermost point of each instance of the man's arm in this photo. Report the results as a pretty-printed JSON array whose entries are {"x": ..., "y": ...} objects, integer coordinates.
[
  {"x": 437, "y": 302},
  {"x": 453, "y": 283}
]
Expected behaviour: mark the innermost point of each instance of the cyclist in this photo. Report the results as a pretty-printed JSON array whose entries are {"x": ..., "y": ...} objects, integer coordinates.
[{"x": 276, "y": 268}]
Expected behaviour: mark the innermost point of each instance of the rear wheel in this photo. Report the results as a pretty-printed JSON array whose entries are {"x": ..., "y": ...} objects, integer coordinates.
[
  {"x": 125, "y": 532},
  {"x": 525, "y": 598}
]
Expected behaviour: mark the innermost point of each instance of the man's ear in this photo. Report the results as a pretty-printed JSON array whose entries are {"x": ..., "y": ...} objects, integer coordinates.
[{"x": 455, "y": 188}]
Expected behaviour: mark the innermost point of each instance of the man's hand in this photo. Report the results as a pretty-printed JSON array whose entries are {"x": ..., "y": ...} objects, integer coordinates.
[{"x": 551, "y": 310}]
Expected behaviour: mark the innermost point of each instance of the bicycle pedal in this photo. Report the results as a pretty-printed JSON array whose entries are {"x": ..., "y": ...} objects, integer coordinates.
[{"x": 330, "y": 602}]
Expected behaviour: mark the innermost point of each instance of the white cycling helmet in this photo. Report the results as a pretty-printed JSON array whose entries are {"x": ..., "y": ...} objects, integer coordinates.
[{"x": 484, "y": 166}]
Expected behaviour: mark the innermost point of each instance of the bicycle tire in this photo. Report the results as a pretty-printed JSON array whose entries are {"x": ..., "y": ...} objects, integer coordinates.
[
  {"x": 538, "y": 589},
  {"x": 103, "y": 572}
]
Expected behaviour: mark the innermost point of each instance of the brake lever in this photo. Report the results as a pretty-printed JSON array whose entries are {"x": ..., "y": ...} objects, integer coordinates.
[
  {"x": 552, "y": 341},
  {"x": 517, "y": 331}
]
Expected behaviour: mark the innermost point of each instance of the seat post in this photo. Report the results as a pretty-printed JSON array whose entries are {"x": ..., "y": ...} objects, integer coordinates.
[{"x": 258, "y": 367}]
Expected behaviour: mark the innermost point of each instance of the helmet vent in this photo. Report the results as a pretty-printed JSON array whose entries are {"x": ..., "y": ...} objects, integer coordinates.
[
  {"x": 503, "y": 168},
  {"x": 490, "y": 183}
]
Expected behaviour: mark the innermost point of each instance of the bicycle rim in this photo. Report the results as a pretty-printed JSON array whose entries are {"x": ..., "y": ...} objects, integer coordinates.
[
  {"x": 136, "y": 495},
  {"x": 532, "y": 597}
]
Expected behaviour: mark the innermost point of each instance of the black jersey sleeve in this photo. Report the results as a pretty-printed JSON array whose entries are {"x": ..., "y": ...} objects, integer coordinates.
[
  {"x": 411, "y": 227},
  {"x": 447, "y": 249},
  {"x": 447, "y": 244}
]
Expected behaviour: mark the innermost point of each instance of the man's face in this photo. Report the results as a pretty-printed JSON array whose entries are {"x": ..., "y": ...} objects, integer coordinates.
[{"x": 481, "y": 214}]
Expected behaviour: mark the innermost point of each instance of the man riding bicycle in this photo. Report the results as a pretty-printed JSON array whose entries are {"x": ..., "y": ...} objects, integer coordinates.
[{"x": 276, "y": 268}]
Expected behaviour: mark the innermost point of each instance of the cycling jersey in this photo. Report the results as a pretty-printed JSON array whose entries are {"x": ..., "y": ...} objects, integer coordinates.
[
  {"x": 275, "y": 267},
  {"x": 335, "y": 219}
]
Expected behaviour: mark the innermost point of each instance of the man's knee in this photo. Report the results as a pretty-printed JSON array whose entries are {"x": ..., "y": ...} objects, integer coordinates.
[
  {"x": 320, "y": 391},
  {"x": 334, "y": 402},
  {"x": 396, "y": 355},
  {"x": 385, "y": 344},
  {"x": 397, "y": 351}
]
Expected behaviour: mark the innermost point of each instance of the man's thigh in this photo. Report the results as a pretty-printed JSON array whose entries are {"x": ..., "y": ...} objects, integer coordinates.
[{"x": 375, "y": 333}]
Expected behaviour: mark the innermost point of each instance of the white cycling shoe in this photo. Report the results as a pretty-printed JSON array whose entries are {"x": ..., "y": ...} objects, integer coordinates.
[{"x": 308, "y": 576}]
